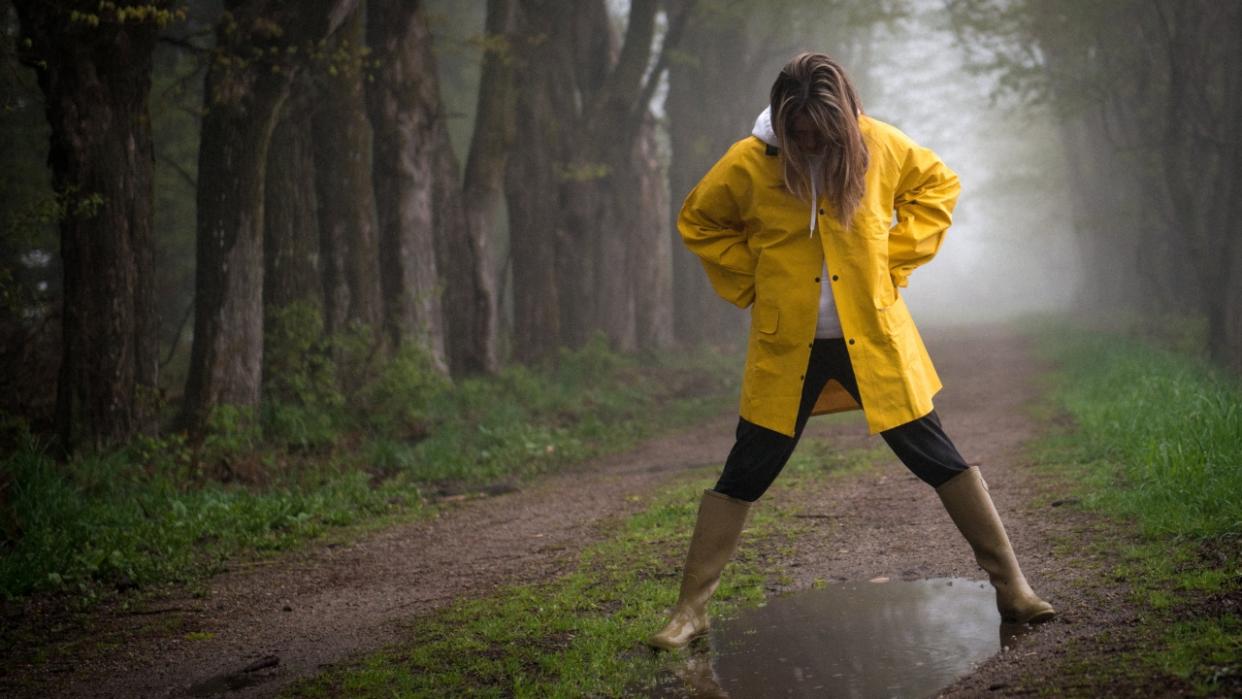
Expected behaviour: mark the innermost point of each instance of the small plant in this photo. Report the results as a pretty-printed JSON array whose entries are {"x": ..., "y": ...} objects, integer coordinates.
[
  {"x": 302, "y": 403},
  {"x": 398, "y": 403}
]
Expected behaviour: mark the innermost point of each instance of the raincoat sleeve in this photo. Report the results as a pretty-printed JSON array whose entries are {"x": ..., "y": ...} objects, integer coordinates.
[
  {"x": 923, "y": 202},
  {"x": 711, "y": 226}
]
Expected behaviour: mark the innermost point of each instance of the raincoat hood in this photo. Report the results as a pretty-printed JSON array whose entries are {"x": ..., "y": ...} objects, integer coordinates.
[{"x": 763, "y": 127}]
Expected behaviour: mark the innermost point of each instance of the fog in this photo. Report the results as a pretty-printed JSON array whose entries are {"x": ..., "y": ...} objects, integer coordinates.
[{"x": 1010, "y": 250}]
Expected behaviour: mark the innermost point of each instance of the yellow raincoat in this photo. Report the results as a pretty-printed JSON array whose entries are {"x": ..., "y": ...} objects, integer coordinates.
[{"x": 755, "y": 241}]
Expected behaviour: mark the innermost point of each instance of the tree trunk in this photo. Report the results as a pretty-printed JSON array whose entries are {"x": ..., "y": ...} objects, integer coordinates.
[
  {"x": 1225, "y": 298},
  {"x": 243, "y": 102},
  {"x": 533, "y": 175},
  {"x": 652, "y": 266},
  {"x": 585, "y": 102},
  {"x": 461, "y": 252},
  {"x": 95, "y": 81},
  {"x": 591, "y": 259},
  {"x": 291, "y": 241},
  {"x": 469, "y": 295},
  {"x": 402, "y": 104},
  {"x": 706, "y": 114},
  {"x": 243, "y": 96},
  {"x": 349, "y": 242},
  {"x": 483, "y": 189}
]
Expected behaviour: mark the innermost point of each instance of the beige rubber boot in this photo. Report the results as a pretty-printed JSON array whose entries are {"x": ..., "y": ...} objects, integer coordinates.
[
  {"x": 715, "y": 539},
  {"x": 966, "y": 498}
]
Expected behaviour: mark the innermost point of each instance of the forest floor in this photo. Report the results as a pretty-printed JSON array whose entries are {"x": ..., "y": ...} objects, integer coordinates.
[{"x": 265, "y": 624}]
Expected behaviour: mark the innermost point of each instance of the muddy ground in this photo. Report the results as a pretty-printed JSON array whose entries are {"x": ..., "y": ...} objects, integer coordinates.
[{"x": 265, "y": 623}]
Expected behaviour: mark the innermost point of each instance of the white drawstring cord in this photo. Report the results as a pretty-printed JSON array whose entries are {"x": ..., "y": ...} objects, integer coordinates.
[{"x": 814, "y": 199}]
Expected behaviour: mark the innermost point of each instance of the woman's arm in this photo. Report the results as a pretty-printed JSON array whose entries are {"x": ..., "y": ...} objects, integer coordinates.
[
  {"x": 924, "y": 201},
  {"x": 711, "y": 227}
]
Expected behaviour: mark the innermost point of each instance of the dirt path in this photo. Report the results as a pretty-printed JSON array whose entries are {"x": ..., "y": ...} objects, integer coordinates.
[{"x": 303, "y": 612}]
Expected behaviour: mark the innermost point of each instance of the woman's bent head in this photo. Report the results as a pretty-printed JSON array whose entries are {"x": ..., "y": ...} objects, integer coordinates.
[{"x": 815, "y": 111}]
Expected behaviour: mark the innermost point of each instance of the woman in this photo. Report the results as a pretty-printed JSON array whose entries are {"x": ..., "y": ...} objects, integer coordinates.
[{"x": 814, "y": 222}]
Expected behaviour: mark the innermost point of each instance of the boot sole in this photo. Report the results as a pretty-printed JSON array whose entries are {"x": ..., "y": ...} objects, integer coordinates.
[
  {"x": 658, "y": 645},
  {"x": 1038, "y": 618}
]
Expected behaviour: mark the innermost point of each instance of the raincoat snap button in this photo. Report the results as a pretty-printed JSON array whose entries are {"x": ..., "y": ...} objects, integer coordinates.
[
  {"x": 802, "y": 378},
  {"x": 816, "y": 280},
  {"x": 851, "y": 340},
  {"x": 821, "y": 212},
  {"x": 835, "y": 277}
]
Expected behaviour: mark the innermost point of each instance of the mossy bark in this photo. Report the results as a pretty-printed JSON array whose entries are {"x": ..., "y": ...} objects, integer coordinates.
[
  {"x": 349, "y": 242},
  {"x": 403, "y": 107},
  {"x": 247, "y": 83},
  {"x": 96, "y": 80}
]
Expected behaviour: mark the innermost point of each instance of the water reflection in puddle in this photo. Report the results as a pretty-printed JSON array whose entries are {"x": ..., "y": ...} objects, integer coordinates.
[{"x": 891, "y": 639}]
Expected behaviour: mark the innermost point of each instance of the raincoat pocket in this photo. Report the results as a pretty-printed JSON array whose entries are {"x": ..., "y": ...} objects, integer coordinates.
[
  {"x": 895, "y": 318},
  {"x": 766, "y": 317}
]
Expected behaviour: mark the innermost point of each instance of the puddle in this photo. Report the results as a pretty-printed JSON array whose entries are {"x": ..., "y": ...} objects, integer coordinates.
[{"x": 867, "y": 639}]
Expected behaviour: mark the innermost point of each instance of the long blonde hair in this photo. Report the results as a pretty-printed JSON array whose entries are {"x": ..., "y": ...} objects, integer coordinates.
[{"x": 814, "y": 85}]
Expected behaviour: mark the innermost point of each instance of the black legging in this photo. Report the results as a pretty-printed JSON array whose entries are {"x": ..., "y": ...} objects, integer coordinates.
[{"x": 760, "y": 453}]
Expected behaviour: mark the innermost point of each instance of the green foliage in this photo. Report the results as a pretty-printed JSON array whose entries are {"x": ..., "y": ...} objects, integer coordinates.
[
  {"x": 232, "y": 430},
  {"x": 299, "y": 367},
  {"x": 302, "y": 404},
  {"x": 582, "y": 171},
  {"x": 398, "y": 402},
  {"x": 1158, "y": 441},
  {"x": 134, "y": 12},
  {"x": 165, "y": 510},
  {"x": 1164, "y": 430},
  {"x": 122, "y": 520}
]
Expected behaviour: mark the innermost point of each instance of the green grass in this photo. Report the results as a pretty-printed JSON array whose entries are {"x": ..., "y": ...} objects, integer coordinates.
[
  {"x": 1160, "y": 433},
  {"x": 160, "y": 511},
  {"x": 581, "y": 634},
  {"x": 104, "y": 522},
  {"x": 1156, "y": 441}
]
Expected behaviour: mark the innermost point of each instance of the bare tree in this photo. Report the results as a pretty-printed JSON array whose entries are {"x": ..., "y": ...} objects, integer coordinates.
[
  {"x": 531, "y": 182},
  {"x": 713, "y": 92}
]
